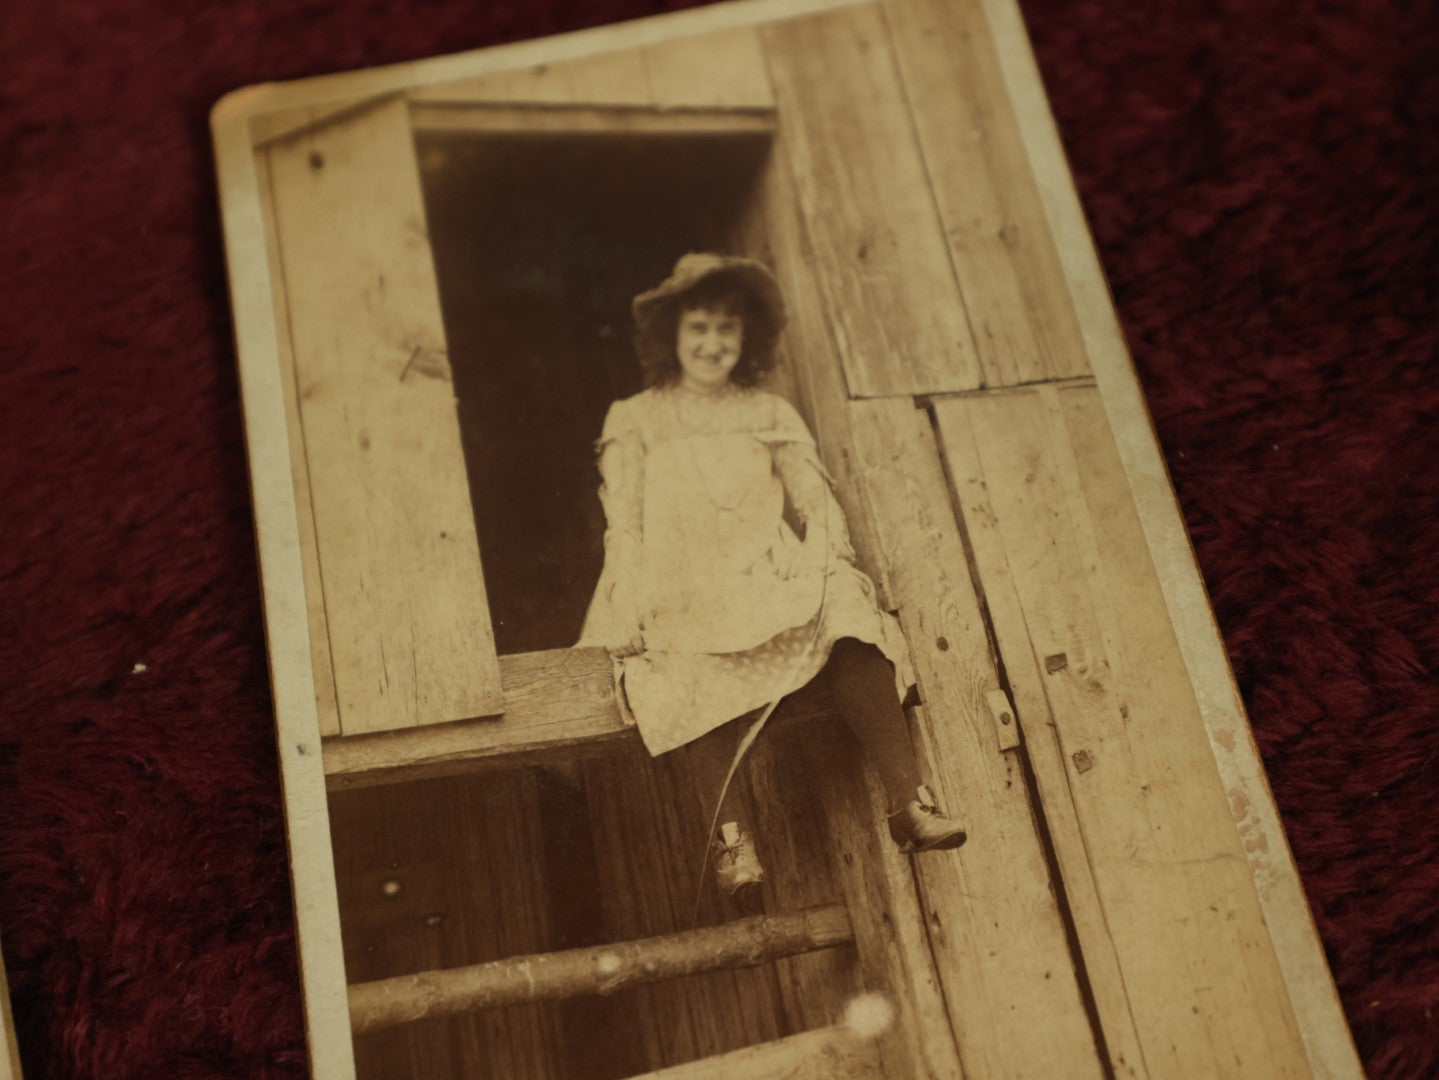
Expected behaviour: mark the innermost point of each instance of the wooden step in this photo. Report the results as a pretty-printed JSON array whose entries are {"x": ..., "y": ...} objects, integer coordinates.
[
  {"x": 557, "y": 703},
  {"x": 596, "y": 969},
  {"x": 561, "y": 698}
]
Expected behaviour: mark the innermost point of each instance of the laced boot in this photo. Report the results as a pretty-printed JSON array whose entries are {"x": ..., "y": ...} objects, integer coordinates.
[
  {"x": 920, "y": 825},
  {"x": 736, "y": 864}
]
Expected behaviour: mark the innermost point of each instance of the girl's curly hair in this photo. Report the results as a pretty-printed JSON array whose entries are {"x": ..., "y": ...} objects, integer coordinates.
[{"x": 656, "y": 331}]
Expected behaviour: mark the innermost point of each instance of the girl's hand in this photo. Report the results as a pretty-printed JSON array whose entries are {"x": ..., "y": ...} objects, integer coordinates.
[
  {"x": 819, "y": 548},
  {"x": 633, "y": 647},
  {"x": 794, "y": 557},
  {"x": 627, "y": 644}
]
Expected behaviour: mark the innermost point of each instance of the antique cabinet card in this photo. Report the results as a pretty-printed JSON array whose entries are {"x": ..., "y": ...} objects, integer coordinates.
[{"x": 432, "y": 269}]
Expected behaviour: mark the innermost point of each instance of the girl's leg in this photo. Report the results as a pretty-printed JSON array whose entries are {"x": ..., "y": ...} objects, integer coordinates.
[
  {"x": 736, "y": 865},
  {"x": 861, "y": 679},
  {"x": 711, "y": 755}
]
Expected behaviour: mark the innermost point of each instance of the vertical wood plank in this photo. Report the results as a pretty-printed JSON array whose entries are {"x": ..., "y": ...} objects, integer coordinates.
[
  {"x": 1042, "y": 744},
  {"x": 889, "y": 923},
  {"x": 998, "y": 936},
  {"x": 322, "y": 669},
  {"x": 1202, "y": 981},
  {"x": 793, "y": 839},
  {"x": 405, "y": 607},
  {"x": 635, "y": 897},
  {"x": 649, "y": 823},
  {"x": 877, "y": 883},
  {"x": 809, "y": 372},
  {"x": 724, "y": 69},
  {"x": 438, "y": 874},
  {"x": 878, "y": 249},
  {"x": 1008, "y": 268},
  {"x": 1291, "y": 924}
]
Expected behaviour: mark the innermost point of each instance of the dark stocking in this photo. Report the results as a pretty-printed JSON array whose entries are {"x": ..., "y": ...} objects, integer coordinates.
[
  {"x": 711, "y": 755},
  {"x": 861, "y": 679},
  {"x": 861, "y": 682}
]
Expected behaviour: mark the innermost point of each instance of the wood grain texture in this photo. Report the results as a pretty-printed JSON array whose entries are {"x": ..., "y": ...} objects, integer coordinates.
[
  {"x": 552, "y": 700},
  {"x": 601, "y": 969},
  {"x": 1001, "y": 715},
  {"x": 792, "y": 834},
  {"x": 408, "y": 626},
  {"x": 1301, "y": 954},
  {"x": 829, "y": 1053},
  {"x": 878, "y": 252},
  {"x": 606, "y": 78},
  {"x": 810, "y": 372},
  {"x": 994, "y": 924},
  {"x": 724, "y": 69},
  {"x": 1004, "y": 258},
  {"x": 488, "y": 118},
  {"x": 1041, "y": 741},
  {"x": 559, "y": 704},
  {"x": 894, "y": 957},
  {"x": 649, "y": 821},
  {"x": 1200, "y": 976},
  {"x": 441, "y": 874},
  {"x": 889, "y": 924}
]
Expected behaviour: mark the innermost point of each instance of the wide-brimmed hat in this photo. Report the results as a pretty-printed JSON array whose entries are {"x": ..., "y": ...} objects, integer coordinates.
[{"x": 698, "y": 266}]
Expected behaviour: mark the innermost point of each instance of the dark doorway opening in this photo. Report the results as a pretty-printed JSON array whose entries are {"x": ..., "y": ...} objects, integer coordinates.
[{"x": 540, "y": 242}]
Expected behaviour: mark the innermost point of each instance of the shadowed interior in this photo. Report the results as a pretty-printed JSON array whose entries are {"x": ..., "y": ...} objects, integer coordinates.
[{"x": 540, "y": 242}]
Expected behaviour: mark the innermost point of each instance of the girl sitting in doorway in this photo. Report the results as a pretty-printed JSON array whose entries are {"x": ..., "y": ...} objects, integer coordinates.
[{"x": 711, "y": 604}]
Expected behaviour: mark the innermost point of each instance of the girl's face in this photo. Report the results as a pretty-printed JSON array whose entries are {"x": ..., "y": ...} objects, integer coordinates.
[{"x": 708, "y": 344}]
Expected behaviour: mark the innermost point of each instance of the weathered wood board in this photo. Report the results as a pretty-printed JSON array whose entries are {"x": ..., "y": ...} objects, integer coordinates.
[
  {"x": 423, "y": 888},
  {"x": 878, "y": 252},
  {"x": 404, "y": 604},
  {"x": 1103, "y": 685},
  {"x": 1126, "y": 890},
  {"x": 652, "y": 881},
  {"x": 996, "y": 929}
]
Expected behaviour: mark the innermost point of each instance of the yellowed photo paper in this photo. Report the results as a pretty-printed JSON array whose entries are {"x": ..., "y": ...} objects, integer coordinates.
[{"x": 727, "y": 612}]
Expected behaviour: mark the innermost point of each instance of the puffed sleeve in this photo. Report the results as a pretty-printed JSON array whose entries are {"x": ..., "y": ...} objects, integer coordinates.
[
  {"x": 622, "y": 471},
  {"x": 613, "y": 613},
  {"x": 806, "y": 483}
]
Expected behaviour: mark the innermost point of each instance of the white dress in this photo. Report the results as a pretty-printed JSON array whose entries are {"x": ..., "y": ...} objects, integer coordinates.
[{"x": 735, "y": 610}]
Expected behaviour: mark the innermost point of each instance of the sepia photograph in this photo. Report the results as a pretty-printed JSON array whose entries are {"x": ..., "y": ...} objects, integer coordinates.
[
  {"x": 727, "y": 612},
  {"x": 705, "y": 539}
]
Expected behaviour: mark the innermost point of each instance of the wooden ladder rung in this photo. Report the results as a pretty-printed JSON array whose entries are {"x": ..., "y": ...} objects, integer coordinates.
[
  {"x": 595, "y": 969},
  {"x": 831, "y": 1053}
]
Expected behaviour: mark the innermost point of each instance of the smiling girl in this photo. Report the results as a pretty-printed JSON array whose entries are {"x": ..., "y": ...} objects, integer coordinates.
[{"x": 711, "y": 603}]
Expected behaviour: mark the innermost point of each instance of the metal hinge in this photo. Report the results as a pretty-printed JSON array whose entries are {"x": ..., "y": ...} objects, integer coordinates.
[{"x": 1006, "y": 725}]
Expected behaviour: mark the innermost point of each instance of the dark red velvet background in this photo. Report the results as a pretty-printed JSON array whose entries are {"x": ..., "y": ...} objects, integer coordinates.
[{"x": 1260, "y": 177}]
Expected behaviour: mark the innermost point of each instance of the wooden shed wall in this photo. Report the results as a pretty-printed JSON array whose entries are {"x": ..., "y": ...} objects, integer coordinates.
[{"x": 1175, "y": 954}]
